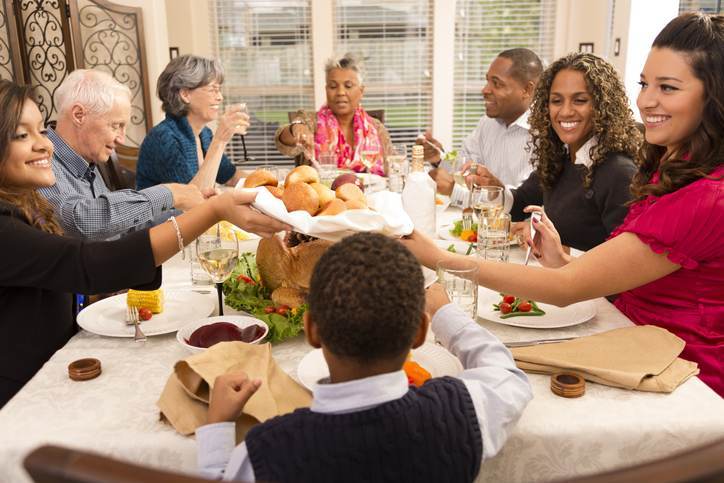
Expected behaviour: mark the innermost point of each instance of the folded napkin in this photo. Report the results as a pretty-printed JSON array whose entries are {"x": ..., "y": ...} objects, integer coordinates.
[
  {"x": 184, "y": 400},
  {"x": 644, "y": 358},
  {"x": 387, "y": 217}
]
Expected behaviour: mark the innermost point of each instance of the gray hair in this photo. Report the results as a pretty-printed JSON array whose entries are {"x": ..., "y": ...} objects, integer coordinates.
[
  {"x": 186, "y": 72},
  {"x": 347, "y": 61},
  {"x": 95, "y": 90}
]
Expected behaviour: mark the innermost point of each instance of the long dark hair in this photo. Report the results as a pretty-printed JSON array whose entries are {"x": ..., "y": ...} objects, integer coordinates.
[
  {"x": 32, "y": 206},
  {"x": 700, "y": 38},
  {"x": 613, "y": 122}
]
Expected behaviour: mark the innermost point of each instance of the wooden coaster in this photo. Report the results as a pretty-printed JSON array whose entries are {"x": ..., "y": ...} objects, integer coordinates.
[
  {"x": 84, "y": 369},
  {"x": 568, "y": 384}
]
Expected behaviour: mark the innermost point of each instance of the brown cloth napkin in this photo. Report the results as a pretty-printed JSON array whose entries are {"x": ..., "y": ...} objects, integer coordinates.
[
  {"x": 644, "y": 358},
  {"x": 184, "y": 400}
]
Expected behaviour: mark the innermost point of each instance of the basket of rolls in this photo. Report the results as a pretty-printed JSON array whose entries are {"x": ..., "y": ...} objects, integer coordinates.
[{"x": 314, "y": 209}]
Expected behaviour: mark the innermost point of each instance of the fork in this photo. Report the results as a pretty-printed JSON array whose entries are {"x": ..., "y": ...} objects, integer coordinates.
[{"x": 132, "y": 318}]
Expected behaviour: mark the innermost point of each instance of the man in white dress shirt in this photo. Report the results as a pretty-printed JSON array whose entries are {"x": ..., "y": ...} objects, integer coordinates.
[{"x": 500, "y": 138}]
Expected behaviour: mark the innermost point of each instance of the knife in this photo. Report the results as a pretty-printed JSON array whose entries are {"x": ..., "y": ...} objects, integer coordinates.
[{"x": 527, "y": 343}]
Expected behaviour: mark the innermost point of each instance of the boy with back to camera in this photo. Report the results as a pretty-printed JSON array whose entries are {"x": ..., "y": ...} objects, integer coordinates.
[{"x": 367, "y": 309}]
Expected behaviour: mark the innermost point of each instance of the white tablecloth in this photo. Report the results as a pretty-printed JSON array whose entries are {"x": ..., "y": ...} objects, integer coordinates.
[{"x": 116, "y": 415}]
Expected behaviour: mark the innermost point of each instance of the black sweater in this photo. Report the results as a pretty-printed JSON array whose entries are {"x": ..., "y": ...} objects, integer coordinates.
[
  {"x": 583, "y": 217},
  {"x": 38, "y": 274}
]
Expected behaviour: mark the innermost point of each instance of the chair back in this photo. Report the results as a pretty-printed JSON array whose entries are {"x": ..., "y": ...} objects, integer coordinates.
[
  {"x": 56, "y": 464},
  {"x": 704, "y": 464},
  {"x": 378, "y": 114},
  {"x": 119, "y": 172}
]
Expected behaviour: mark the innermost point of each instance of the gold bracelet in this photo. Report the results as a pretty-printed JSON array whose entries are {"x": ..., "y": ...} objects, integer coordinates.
[{"x": 179, "y": 238}]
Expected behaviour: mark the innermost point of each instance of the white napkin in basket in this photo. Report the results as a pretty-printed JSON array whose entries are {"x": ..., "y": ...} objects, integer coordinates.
[{"x": 387, "y": 217}]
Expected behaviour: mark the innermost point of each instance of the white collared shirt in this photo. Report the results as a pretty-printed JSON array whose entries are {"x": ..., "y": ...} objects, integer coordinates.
[
  {"x": 499, "y": 391},
  {"x": 499, "y": 147},
  {"x": 583, "y": 156}
]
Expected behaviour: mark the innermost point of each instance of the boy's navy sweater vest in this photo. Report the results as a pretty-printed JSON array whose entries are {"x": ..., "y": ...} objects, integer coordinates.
[{"x": 430, "y": 434}]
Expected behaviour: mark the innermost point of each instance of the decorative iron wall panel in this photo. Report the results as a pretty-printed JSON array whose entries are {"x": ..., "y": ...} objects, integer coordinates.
[
  {"x": 47, "y": 56},
  {"x": 109, "y": 37},
  {"x": 7, "y": 68}
]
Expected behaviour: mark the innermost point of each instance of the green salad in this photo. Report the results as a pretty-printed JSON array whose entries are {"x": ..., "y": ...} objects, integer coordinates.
[
  {"x": 245, "y": 291},
  {"x": 457, "y": 228}
]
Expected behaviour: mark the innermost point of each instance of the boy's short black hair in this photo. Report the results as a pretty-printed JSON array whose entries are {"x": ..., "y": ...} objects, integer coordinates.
[{"x": 367, "y": 297}]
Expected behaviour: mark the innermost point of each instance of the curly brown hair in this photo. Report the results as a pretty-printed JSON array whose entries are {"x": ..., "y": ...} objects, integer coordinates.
[
  {"x": 700, "y": 38},
  {"x": 613, "y": 122},
  {"x": 32, "y": 206}
]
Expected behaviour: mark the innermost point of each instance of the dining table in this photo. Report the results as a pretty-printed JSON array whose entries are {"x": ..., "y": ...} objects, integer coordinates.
[{"x": 116, "y": 415}]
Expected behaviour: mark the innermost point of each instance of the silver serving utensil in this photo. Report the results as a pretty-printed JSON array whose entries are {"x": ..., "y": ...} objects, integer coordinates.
[
  {"x": 529, "y": 251},
  {"x": 527, "y": 343},
  {"x": 132, "y": 318}
]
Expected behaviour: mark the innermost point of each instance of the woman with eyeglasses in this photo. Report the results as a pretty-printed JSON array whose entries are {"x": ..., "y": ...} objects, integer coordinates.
[
  {"x": 181, "y": 149},
  {"x": 341, "y": 127}
]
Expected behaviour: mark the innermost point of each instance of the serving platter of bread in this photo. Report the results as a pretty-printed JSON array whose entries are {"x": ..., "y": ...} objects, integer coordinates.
[{"x": 315, "y": 209}]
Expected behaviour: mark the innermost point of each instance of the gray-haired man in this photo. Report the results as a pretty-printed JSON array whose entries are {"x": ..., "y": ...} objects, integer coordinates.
[{"x": 93, "y": 110}]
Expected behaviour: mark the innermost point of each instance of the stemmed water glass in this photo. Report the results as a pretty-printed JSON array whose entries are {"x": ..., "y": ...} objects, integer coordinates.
[
  {"x": 486, "y": 202},
  {"x": 218, "y": 255}
]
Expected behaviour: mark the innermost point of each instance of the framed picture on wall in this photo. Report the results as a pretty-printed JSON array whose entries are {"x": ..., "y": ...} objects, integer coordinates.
[
  {"x": 173, "y": 52},
  {"x": 586, "y": 47}
]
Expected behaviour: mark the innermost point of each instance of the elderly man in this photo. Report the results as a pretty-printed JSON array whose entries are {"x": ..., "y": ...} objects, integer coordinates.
[
  {"x": 93, "y": 109},
  {"x": 499, "y": 141}
]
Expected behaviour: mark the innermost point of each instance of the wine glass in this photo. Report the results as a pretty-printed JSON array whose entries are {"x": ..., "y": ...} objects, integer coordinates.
[
  {"x": 486, "y": 201},
  {"x": 218, "y": 255}
]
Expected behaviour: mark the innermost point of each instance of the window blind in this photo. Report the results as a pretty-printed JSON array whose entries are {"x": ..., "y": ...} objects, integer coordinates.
[
  {"x": 394, "y": 37},
  {"x": 706, "y": 6},
  {"x": 484, "y": 28},
  {"x": 266, "y": 49}
]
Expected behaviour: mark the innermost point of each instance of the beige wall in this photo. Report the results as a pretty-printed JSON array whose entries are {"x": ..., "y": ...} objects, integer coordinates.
[
  {"x": 189, "y": 26},
  {"x": 582, "y": 21}
]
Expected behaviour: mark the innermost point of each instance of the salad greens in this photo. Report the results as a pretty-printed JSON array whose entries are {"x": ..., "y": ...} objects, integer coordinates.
[
  {"x": 452, "y": 249},
  {"x": 245, "y": 291},
  {"x": 457, "y": 228},
  {"x": 450, "y": 155}
]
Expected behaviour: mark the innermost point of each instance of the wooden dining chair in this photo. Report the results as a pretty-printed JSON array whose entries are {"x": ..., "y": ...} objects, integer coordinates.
[
  {"x": 119, "y": 172},
  {"x": 57, "y": 464},
  {"x": 704, "y": 464}
]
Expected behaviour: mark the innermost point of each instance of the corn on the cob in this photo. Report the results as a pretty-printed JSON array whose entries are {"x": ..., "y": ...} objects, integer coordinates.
[{"x": 150, "y": 299}]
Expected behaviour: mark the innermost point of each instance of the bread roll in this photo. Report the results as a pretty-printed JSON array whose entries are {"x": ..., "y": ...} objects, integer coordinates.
[
  {"x": 326, "y": 195},
  {"x": 348, "y": 192},
  {"x": 355, "y": 204},
  {"x": 277, "y": 191},
  {"x": 302, "y": 174},
  {"x": 301, "y": 196},
  {"x": 335, "y": 207},
  {"x": 260, "y": 177}
]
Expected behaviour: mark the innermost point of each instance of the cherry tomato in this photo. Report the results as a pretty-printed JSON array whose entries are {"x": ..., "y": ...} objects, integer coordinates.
[
  {"x": 474, "y": 238},
  {"x": 282, "y": 310},
  {"x": 505, "y": 308},
  {"x": 144, "y": 313},
  {"x": 245, "y": 279},
  {"x": 269, "y": 309},
  {"x": 508, "y": 299},
  {"x": 525, "y": 307}
]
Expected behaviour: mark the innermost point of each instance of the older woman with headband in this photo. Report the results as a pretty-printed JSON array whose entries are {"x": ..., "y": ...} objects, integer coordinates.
[
  {"x": 181, "y": 149},
  {"x": 40, "y": 268},
  {"x": 666, "y": 260},
  {"x": 341, "y": 127}
]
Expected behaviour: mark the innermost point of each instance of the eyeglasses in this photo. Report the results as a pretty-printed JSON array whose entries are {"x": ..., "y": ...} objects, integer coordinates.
[{"x": 213, "y": 89}]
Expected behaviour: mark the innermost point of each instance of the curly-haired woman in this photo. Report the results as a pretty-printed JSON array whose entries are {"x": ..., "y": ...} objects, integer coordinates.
[
  {"x": 584, "y": 140},
  {"x": 666, "y": 260}
]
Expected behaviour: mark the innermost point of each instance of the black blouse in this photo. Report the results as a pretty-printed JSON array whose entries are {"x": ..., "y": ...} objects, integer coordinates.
[{"x": 39, "y": 272}]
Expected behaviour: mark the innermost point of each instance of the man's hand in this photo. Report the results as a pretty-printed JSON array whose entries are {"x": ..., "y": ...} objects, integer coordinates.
[
  {"x": 429, "y": 143},
  {"x": 443, "y": 180},
  {"x": 435, "y": 297},
  {"x": 229, "y": 396},
  {"x": 480, "y": 175},
  {"x": 185, "y": 196}
]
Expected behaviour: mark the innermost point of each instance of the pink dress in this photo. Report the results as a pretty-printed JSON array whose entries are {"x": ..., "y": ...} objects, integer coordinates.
[{"x": 687, "y": 225}]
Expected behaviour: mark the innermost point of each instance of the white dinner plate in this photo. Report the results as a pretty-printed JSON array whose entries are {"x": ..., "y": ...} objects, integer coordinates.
[
  {"x": 108, "y": 316},
  {"x": 554, "y": 317},
  {"x": 444, "y": 233},
  {"x": 461, "y": 247},
  {"x": 435, "y": 358}
]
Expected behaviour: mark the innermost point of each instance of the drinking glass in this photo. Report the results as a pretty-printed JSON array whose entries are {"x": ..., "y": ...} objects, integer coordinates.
[
  {"x": 493, "y": 238},
  {"x": 486, "y": 202},
  {"x": 397, "y": 167},
  {"x": 242, "y": 108},
  {"x": 458, "y": 279},
  {"x": 327, "y": 168},
  {"x": 218, "y": 255}
]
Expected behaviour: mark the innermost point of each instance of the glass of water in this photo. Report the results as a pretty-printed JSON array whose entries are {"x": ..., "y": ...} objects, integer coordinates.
[
  {"x": 327, "y": 168},
  {"x": 458, "y": 279},
  {"x": 494, "y": 238},
  {"x": 397, "y": 167}
]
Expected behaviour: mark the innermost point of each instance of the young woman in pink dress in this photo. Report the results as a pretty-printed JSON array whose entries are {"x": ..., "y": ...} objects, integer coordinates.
[{"x": 666, "y": 260}]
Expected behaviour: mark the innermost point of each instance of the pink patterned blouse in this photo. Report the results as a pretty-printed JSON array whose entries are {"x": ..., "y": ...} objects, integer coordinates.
[{"x": 687, "y": 225}]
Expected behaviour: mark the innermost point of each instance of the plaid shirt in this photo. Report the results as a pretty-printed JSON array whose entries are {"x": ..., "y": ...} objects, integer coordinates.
[{"x": 86, "y": 207}]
